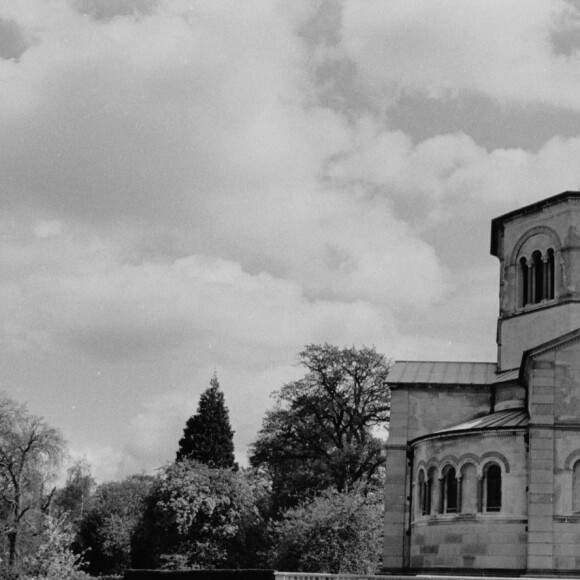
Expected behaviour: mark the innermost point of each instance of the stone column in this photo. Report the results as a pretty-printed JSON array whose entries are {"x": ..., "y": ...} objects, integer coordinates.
[{"x": 541, "y": 469}]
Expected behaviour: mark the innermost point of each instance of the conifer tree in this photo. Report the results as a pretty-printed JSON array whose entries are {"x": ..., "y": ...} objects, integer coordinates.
[{"x": 208, "y": 436}]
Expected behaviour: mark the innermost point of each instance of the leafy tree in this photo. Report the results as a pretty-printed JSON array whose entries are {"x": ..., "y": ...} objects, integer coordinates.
[
  {"x": 208, "y": 436},
  {"x": 55, "y": 558},
  {"x": 335, "y": 532},
  {"x": 74, "y": 498},
  {"x": 30, "y": 453},
  {"x": 321, "y": 433},
  {"x": 200, "y": 517},
  {"x": 107, "y": 526}
]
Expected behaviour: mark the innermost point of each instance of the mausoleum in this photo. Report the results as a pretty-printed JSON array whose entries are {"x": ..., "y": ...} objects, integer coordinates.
[{"x": 483, "y": 468}]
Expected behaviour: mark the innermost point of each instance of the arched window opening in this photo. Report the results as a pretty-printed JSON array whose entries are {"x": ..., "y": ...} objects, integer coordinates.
[
  {"x": 550, "y": 261},
  {"x": 524, "y": 286},
  {"x": 576, "y": 488},
  {"x": 449, "y": 491},
  {"x": 469, "y": 489},
  {"x": 429, "y": 491},
  {"x": 492, "y": 488},
  {"x": 538, "y": 277},
  {"x": 420, "y": 492}
]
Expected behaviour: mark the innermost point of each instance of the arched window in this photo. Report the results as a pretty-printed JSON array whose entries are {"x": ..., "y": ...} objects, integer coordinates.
[
  {"x": 420, "y": 492},
  {"x": 550, "y": 274},
  {"x": 576, "y": 488},
  {"x": 524, "y": 285},
  {"x": 429, "y": 491},
  {"x": 536, "y": 278},
  {"x": 469, "y": 489},
  {"x": 449, "y": 496},
  {"x": 491, "y": 483}
]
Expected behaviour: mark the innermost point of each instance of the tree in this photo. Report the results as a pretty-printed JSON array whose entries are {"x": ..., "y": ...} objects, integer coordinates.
[
  {"x": 55, "y": 559},
  {"x": 335, "y": 532},
  {"x": 201, "y": 517},
  {"x": 321, "y": 433},
  {"x": 74, "y": 498},
  {"x": 208, "y": 436},
  {"x": 30, "y": 453},
  {"x": 108, "y": 525}
]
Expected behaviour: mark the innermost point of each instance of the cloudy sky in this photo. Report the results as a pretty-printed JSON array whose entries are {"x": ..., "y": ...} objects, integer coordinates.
[{"x": 190, "y": 186}]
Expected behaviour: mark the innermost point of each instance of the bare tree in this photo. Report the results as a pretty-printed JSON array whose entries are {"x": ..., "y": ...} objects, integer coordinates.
[{"x": 30, "y": 453}]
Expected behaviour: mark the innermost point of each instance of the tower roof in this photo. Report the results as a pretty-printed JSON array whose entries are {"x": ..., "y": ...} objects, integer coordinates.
[{"x": 498, "y": 222}]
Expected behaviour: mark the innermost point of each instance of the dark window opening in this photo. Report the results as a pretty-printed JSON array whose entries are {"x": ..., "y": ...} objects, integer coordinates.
[
  {"x": 524, "y": 281},
  {"x": 537, "y": 278},
  {"x": 493, "y": 488},
  {"x": 450, "y": 491}
]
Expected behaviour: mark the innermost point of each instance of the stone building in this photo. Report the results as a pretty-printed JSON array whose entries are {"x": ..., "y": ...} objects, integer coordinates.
[{"x": 483, "y": 468}]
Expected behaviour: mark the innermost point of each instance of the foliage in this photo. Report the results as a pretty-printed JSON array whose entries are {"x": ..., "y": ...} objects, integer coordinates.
[
  {"x": 55, "y": 559},
  {"x": 30, "y": 453},
  {"x": 74, "y": 498},
  {"x": 208, "y": 436},
  {"x": 108, "y": 525},
  {"x": 335, "y": 532},
  {"x": 199, "y": 516},
  {"x": 320, "y": 434}
]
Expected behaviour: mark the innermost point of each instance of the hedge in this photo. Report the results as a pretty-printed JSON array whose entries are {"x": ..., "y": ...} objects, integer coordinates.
[{"x": 199, "y": 574}]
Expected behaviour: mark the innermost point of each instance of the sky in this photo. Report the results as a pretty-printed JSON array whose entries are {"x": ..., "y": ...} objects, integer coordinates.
[{"x": 190, "y": 187}]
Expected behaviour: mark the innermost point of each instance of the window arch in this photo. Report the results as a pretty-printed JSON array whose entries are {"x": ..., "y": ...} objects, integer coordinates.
[{"x": 491, "y": 489}]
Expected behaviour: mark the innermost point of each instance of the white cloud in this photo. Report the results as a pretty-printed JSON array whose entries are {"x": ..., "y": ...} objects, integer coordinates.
[{"x": 501, "y": 48}]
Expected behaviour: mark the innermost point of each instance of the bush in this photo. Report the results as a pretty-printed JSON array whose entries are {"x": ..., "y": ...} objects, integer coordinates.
[
  {"x": 199, "y": 574},
  {"x": 336, "y": 533}
]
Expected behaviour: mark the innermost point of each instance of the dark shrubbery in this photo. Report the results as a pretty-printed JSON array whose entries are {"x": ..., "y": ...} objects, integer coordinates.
[{"x": 200, "y": 574}]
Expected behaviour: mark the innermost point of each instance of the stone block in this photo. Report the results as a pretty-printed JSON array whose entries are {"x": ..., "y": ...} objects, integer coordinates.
[
  {"x": 536, "y": 562},
  {"x": 544, "y": 419},
  {"x": 540, "y": 549},
  {"x": 540, "y": 524},
  {"x": 561, "y": 549},
  {"x": 537, "y": 487},
  {"x": 544, "y": 453},
  {"x": 543, "y": 390},
  {"x": 540, "y": 509},
  {"x": 544, "y": 537},
  {"x": 541, "y": 476},
  {"x": 392, "y": 563},
  {"x": 542, "y": 367},
  {"x": 541, "y": 443},
  {"x": 542, "y": 464},
  {"x": 543, "y": 399},
  {"x": 565, "y": 562}
]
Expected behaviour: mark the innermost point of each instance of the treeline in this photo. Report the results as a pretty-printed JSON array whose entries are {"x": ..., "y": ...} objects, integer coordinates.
[{"x": 310, "y": 500}]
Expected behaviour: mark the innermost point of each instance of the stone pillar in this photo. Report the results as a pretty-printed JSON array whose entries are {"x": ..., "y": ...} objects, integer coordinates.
[
  {"x": 395, "y": 509},
  {"x": 397, "y": 487},
  {"x": 541, "y": 469}
]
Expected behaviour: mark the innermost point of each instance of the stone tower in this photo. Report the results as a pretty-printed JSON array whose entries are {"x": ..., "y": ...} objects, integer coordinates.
[{"x": 538, "y": 247}]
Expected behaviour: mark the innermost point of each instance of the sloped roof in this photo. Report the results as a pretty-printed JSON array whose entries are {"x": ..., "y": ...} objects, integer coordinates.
[
  {"x": 500, "y": 420},
  {"x": 438, "y": 372}
]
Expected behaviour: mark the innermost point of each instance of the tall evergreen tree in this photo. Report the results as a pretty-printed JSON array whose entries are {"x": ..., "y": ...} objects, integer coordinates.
[{"x": 208, "y": 436}]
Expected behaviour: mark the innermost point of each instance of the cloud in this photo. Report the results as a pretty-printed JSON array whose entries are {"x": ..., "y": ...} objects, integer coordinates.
[{"x": 499, "y": 48}]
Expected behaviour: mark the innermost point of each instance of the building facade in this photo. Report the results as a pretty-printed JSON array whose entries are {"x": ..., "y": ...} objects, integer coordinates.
[{"x": 483, "y": 468}]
